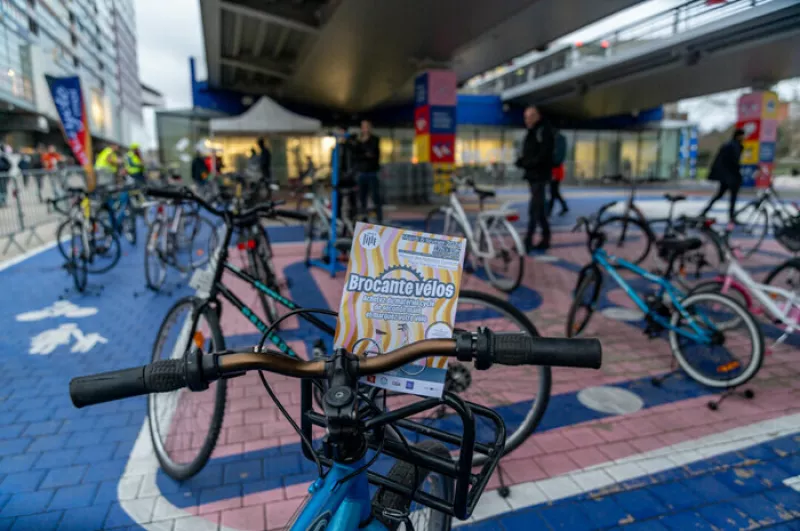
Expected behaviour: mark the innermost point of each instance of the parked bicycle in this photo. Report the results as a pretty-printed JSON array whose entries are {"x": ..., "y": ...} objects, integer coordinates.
[
  {"x": 754, "y": 218},
  {"x": 320, "y": 214},
  {"x": 698, "y": 341},
  {"x": 492, "y": 238},
  {"x": 195, "y": 320},
  {"x": 427, "y": 486}
]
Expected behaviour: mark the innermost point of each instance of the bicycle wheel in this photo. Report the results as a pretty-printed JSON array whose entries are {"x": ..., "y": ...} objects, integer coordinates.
[
  {"x": 505, "y": 269},
  {"x": 440, "y": 221},
  {"x": 64, "y": 239},
  {"x": 734, "y": 292},
  {"x": 201, "y": 237},
  {"x": 185, "y": 425},
  {"x": 755, "y": 225},
  {"x": 626, "y": 238},
  {"x": 106, "y": 249},
  {"x": 77, "y": 260},
  {"x": 584, "y": 302},
  {"x": 422, "y": 518},
  {"x": 715, "y": 365},
  {"x": 155, "y": 267},
  {"x": 786, "y": 276},
  {"x": 519, "y": 393},
  {"x": 129, "y": 225}
]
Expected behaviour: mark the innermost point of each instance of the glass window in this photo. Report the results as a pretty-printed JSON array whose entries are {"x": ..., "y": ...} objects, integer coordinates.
[
  {"x": 607, "y": 153},
  {"x": 668, "y": 153},
  {"x": 648, "y": 154},
  {"x": 629, "y": 154},
  {"x": 585, "y": 164}
]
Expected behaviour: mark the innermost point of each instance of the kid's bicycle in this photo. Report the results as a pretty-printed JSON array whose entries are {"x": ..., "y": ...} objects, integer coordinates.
[{"x": 701, "y": 337}]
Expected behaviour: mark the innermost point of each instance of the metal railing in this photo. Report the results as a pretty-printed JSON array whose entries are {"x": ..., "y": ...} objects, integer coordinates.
[
  {"x": 23, "y": 204},
  {"x": 688, "y": 16}
]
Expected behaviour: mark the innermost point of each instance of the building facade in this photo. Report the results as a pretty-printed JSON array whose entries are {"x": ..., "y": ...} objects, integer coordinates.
[{"x": 93, "y": 39}]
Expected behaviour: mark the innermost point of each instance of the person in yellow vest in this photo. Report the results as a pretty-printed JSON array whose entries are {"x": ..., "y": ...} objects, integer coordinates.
[
  {"x": 106, "y": 165},
  {"x": 133, "y": 164}
]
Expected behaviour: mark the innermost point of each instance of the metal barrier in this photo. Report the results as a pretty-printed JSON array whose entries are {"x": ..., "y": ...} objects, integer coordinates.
[{"x": 23, "y": 203}]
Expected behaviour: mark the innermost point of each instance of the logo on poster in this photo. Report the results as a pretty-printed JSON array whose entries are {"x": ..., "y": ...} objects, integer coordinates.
[{"x": 369, "y": 239}]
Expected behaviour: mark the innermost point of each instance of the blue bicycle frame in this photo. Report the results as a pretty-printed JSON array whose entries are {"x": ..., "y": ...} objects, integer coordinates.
[
  {"x": 116, "y": 205},
  {"x": 696, "y": 333},
  {"x": 335, "y": 506}
]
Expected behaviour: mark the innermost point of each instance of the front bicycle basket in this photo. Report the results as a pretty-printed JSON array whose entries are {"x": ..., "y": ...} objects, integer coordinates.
[{"x": 788, "y": 235}]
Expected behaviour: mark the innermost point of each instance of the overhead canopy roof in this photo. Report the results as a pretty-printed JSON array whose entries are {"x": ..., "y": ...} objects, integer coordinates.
[
  {"x": 265, "y": 117},
  {"x": 354, "y": 55}
]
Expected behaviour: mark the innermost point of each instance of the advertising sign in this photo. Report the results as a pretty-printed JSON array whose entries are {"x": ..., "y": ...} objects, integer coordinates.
[{"x": 68, "y": 99}]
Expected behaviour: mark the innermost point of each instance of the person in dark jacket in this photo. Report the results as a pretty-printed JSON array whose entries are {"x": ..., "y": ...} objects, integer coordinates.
[
  {"x": 199, "y": 169},
  {"x": 366, "y": 153},
  {"x": 346, "y": 185},
  {"x": 726, "y": 170},
  {"x": 537, "y": 162},
  {"x": 265, "y": 163}
]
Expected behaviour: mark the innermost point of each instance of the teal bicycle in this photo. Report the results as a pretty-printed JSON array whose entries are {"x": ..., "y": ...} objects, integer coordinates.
[
  {"x": 703, "y": 328},
  {"x": 426, "y": 486}
]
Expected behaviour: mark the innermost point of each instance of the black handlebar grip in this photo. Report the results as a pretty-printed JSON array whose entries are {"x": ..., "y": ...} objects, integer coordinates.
[
  {"x": 291, "y": 214},
  {"x": 164, "y": 376},
  {"x": 523, "y": 349},
  {"x": 165, "y": 193},
  {"x": 107, "y": 386}
]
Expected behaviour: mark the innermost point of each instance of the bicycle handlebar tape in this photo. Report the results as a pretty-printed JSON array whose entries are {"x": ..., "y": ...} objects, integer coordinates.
[
  {"x": 523, "y": 349},
  {"x": 107, "y": 386},
  {"x": 158, "y": 377}
]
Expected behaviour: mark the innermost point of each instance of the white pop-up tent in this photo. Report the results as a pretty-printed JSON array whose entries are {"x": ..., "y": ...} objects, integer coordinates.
[{"x": 265, "y": 117}]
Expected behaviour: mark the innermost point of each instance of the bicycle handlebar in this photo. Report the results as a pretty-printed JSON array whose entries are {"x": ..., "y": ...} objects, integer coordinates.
[{"x": 195, "y": 372}]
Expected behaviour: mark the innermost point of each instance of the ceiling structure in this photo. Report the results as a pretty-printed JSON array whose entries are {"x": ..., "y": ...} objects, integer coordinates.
[{"x": 356, "y": 55}]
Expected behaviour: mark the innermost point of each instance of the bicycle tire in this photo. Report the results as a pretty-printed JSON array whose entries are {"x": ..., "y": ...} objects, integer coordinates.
[
  {"x": 497, "y": 280},
  {"x": 151, "y": 255},
  {"x": 626, "y": 223},
  {"x": 792, "y": 263},
  {"x": 183, "y": 471},
  {"x": 763, "y": 223},
  {"x": 201, "y": 227},
  {"x": 757, "y": 353},
  {"x": 63, "y": 240},
  {"x": 404, "y": 473},
  {"x": 589, "y": 281},
  {"x": 539, "y": 404},
  {"x": 114, "y": 249},
  {"x": 77, "y": 262}
]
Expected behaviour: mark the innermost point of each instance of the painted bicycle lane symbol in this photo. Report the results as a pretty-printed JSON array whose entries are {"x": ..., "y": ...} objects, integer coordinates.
[{"x": 48, "y": 341}]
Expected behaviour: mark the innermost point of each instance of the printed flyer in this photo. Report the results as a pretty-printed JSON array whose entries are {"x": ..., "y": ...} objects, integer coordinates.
[{"x": 401, "y": 287}]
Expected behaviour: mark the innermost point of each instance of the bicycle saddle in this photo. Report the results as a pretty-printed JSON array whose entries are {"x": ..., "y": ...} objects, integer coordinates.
[
  {"x": 677, "y": 246},
  {"x": 483, "y": 193},
  {"x": 674, "y": 198}
]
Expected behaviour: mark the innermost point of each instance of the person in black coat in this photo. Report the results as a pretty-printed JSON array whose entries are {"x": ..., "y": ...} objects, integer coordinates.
[
  {"x": 366, "y": 154},
  {"x": 265, "y": 162},
  {"x": 727, "y": 171},
  {"x": 537, "y": 162}
]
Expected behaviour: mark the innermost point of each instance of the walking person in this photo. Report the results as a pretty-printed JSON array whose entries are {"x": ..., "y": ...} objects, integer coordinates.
[
  {"x": 367, "y": 158},
  {"x": 537, "y": 162},
  {"x": 559, "y": 156},
  {"x": 726, "y": 170}
]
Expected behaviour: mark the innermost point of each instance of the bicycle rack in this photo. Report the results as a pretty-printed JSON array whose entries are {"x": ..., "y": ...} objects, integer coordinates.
[{"x": 332, "y": 266}]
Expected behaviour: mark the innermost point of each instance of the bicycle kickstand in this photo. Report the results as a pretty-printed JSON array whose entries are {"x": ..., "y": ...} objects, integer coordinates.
[
  {"x": 673, "y": 371},
  {"x": 713, "y": 405},
  {"x": 504, "y": 490}
]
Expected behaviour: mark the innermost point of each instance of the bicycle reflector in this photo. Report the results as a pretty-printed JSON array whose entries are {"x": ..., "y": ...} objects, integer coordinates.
[
  {"x": 198, "y": 338},
  {"x": 728, "y": 367},
  {"x": 249, "y": 244},
  {"x": 709, "y": 222},
  {"x": 512, "y": 217}
]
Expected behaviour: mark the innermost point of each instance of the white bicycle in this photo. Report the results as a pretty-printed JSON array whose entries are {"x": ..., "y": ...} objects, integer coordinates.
[
  {"x": 492, "y": 238},
  {"x": 320, "y": 213},
  {"x": 778, "y": 304}
]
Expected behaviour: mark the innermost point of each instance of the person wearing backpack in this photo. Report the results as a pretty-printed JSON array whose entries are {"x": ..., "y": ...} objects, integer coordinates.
[
  {"x": 536, "y": 160},
  {"x": 559, "y": 156}
]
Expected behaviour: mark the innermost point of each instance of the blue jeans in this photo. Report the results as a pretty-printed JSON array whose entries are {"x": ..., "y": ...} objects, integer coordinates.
[{"x": 368, "y": 183}]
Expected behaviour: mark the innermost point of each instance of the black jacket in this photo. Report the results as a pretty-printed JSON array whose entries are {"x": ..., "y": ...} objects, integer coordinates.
[
  {"x": 537, "y": 153},
  {"x": 198, "y": 169},
  {"x": 367, "y": 155},
  {"x": 265, "y": 163},
  {"x": 726, "y": 167}
]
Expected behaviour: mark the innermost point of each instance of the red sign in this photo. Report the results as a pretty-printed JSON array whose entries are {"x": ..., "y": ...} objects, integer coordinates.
[
  {"x": 751, "y": 128},
  {"x": 422, "y": 120},
  {"x": 443, "y": 148},
  {"x": 764, "y": 175}
]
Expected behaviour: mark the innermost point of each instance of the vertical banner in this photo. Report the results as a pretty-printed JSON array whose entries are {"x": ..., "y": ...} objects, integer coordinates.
[
  {"x": 693, "y": 136},
  {"x": 757, "y": 116},
  {"x": 68, "y": 99},
  {"x": 435, "y": 98}
]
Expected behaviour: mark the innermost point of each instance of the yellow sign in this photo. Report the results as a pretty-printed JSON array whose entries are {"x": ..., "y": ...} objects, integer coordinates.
[
  {"x": 442, "y": 174},
  {"x": 422, "y": 148},
  {"x": 769, "y": 107},
  {"x": 749, "y": 152},
  {"x": 401, "y": 287}
]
